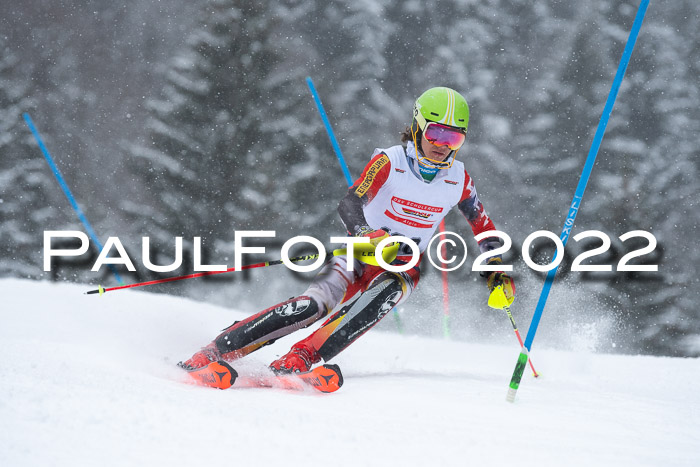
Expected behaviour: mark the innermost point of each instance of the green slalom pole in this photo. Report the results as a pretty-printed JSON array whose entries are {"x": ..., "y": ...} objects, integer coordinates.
[{"x": 520, "y": 339}]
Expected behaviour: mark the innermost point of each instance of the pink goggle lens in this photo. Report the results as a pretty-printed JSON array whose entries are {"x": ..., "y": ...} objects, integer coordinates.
[{"x": 443, "y": 135}]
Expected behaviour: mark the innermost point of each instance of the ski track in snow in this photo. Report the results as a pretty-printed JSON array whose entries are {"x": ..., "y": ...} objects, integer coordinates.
[{"x": 92, "y": 380}]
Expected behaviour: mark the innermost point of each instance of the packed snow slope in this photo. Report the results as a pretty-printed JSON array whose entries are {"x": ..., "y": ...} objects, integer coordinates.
[{"x": 89, "y": 380}]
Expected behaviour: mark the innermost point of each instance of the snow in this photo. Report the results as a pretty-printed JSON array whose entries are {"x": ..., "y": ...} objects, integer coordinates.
[{"x": 92, "y": 380}]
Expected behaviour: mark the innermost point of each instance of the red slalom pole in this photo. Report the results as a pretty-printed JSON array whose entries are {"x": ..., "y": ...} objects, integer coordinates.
[
  {"x": 520, "y": 339},
  {"x": 101, "y": 290},
  {"x": 498, "y": 300},
  {"x": 445, "y": 288}
]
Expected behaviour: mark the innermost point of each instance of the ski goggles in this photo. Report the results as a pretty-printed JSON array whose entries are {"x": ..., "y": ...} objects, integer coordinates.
[{"x": 444, "y": 135}]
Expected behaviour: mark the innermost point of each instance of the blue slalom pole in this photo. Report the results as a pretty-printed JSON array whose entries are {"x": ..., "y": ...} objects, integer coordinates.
[
  {"x": 66, "y": 190},
  {"x": 343, "y": 165},
  {"x": 578, "y": 197},
  {"x": 329, "y": 130}
]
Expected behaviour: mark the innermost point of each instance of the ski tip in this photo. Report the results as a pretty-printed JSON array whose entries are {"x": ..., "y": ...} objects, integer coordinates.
[
  {"x": 326, "y": 378},
  {"x": 215, "y": 375},
  {"x": 229, "y": 368},
  {"x": 336, "y": 369}
]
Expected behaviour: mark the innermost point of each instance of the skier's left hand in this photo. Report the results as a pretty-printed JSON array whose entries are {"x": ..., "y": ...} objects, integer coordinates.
[{"x": 496, "y": 278}]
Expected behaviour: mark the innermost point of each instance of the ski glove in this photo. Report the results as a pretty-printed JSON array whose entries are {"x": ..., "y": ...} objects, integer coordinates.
[
  {"x": 366, "y": 252},
  {"x": 498, "y": 278},
  {"x": 375, "y": 236}
]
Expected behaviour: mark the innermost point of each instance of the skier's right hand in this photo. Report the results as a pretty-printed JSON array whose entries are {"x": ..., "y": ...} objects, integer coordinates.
[
  {"x": 375, "y": 236},
  {"x": 366, "y": 252}
]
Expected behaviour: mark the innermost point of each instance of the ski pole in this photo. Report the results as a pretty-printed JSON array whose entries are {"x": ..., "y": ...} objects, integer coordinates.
[
  {"x": 498, "y": 300},
  {"x": 101, "y": 290},
  {"x": 520, "y": 339}
]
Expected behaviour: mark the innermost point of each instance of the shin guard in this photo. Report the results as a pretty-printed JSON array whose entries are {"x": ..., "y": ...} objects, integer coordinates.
[
  {"x": 244, "y": 337},
  {"x": 356, "y": 318}
]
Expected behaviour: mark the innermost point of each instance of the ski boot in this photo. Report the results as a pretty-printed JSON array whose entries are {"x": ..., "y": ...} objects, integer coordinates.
[
  {"x": 299, "y": 359},
  {"x": 202, "y": 358}
]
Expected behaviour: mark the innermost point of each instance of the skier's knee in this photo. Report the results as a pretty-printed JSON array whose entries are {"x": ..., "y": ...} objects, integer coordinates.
[
  {"x": 322, "y": 302},
  {"x": 300, "y": 309},
  {"x": 396, "y": 281}
]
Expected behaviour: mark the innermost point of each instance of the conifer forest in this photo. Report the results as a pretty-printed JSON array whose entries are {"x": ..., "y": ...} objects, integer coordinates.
[{"x": 194, "y": 119}]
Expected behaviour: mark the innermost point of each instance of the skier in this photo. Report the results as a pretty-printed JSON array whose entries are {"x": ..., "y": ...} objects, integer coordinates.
[{"x": 404, "y": 190}]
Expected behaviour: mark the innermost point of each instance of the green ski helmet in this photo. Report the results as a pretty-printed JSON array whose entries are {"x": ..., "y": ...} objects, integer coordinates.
[{"x": 443, "y": 106}]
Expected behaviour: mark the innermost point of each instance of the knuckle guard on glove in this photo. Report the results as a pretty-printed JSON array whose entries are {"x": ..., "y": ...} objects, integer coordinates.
[
  {"x": 365, "y": 252},
  {"x": 502, "y": 280},
  {"x": 375, "y": 236}
]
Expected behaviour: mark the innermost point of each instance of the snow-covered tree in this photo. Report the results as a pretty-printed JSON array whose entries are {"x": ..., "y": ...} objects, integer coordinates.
[
  {"x": 168, "y": 123},
  {"x": 647, "y": 173},
  {"x": 26, "y": 186}
]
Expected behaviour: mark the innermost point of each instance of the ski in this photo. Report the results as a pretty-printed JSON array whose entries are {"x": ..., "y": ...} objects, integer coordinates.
[
  {"x": 325, "y": 378},
  {"x": 216, "y": 375}
]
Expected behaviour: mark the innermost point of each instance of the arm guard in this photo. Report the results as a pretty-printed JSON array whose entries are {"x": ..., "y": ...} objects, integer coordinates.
[{"x": 351, "y": 213}]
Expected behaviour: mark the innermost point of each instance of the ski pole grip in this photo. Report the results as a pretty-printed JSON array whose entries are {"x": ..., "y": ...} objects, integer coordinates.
[{"x": 100, "y": 290}]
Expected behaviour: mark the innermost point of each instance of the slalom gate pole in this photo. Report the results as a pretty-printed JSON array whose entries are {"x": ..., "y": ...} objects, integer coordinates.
[
  {"x": 101, "y": 290},
  {"x": 578, "y": 197},
  {"x": 520, "y": 339},
  {"x": 341, "y": 160},
  {"x": 498, "y": 301},
  {"x": 445, "y": 289},
  {"x": 66, "y": 190},
  {"x": 329, "y": 130}
]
